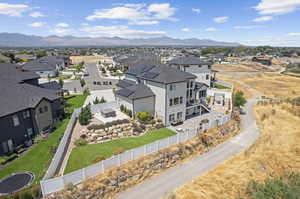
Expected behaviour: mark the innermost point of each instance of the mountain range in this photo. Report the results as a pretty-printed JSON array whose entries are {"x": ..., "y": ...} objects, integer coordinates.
[{"x": 22, "y": 40}]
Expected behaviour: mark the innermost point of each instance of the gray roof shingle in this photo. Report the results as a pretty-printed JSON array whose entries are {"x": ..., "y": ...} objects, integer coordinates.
[{"x": 135, "y": 92}]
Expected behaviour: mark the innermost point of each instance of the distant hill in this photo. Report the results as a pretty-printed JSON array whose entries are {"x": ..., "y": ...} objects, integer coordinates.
[{"x": 21, "y": 40}]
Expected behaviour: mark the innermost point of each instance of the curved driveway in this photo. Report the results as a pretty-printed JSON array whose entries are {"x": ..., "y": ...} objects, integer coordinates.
[{"x": 173, "y": 178}]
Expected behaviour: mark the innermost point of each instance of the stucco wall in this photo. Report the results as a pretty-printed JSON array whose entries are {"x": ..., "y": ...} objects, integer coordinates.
[
  {"x": 160, "y": 98},
  {"x": 43, "y": 119},
  {"x": 125, "y": 102},
  {"x": 144, "y": 104}
]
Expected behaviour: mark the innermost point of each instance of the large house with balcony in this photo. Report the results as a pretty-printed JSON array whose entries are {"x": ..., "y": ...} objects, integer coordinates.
[
  {"x": 167, "y": 92},
  {"x": 200, "y": 68},
  {"x": 26, "y": 108}
]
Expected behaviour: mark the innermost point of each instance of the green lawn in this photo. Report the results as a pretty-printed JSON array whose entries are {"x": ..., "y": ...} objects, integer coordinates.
[
  {"x": 38, "y": 158},
  {"x": 218, "y": 86},
  {"x": 84, "y": 156}
]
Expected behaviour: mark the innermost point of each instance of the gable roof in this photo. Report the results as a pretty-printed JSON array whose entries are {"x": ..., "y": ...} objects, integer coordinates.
[
  {"x": 10, "y": 71},
  {"x": 188, "y": 61},
  {"x": 16, "y": 95},
  {"x": 125, "y": 83},
  {"x": 135, "y": 92},
  {"x": 47, "y": 63},
  {"x": 53, "y": 85}
]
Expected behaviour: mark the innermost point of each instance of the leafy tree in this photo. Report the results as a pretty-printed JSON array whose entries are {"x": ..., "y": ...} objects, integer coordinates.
[
  {"x": 86, "y": 92},
  {"x": 82, "y": 82},
  {"x": 61, "y": 82},
  {"x": 96, "y": 101},
  {"x": 41, "y": 53},
  {"x": 102, "y": 100},
  {"x": 239, "y": 99}
]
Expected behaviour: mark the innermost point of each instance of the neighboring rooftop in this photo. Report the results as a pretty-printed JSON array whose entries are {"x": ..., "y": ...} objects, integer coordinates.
[
  {"x": 53, "y": 85},
  {"x": 135, "y": 92},
  {"x": 11, "y": 71},
  {"x": 48, "y": 63}
]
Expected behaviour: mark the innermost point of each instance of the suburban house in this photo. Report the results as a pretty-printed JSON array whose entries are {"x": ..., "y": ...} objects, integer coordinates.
[
  {"x": 169, "y": 93},
  {"x": 263, "y": 60},
  {"x": 46, "y": 66},
  {"x": 196, "y": 66},
  {"x": 26, "y": 108}
]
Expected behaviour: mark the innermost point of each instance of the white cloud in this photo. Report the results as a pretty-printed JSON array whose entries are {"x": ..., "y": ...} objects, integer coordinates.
[
  {"x": 211, "y": 29},
  {"x": 196, "y": 10},
  {"x": 62, "y": 31},
  {"x": 277, "y": 7},
  {"x": 185, "y": 29},
  {"x": 119, "y": 31},
  {"x": 263, "y": 18},
  {"x": 62, "y": 25},
  {"x": 13, "y": 10},
  {"x": 37, "y": 24},
  {"x": 162, "y": 11},
  {"x": 294, "y": 34},
  {"x": 138, "y": 14},
  {"x": 246, "y": 27},
  {"x": 221, "y": 19},
  {"x": 144, "y": 22},
  {"x": 36, "y": 14}
]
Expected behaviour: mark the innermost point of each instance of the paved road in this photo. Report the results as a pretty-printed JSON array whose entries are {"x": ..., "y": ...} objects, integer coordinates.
[
  {"x": 173, "y": 178},
  {"x": 93, "y": 76}
]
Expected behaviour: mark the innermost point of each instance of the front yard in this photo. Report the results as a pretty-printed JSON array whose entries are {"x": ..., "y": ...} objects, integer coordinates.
[
  {"x": 84, "y": 156},
  {"x": 38, "y": 158}
]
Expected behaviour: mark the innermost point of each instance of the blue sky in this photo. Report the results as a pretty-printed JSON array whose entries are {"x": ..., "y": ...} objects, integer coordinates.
[{"x": 251, "y": 22}]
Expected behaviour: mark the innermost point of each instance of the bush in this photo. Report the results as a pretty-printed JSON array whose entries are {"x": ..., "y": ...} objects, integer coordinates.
[
  {"x": 102, "y": 100},
  {"x": 143, "y": 116},
  {"x": 281, "y": 187},
  {"x": 96, "y": 101},
  {"x": 96, "y": 127},
  {"x": 159, "y": 126},
  {"x": 86, "y": 92},
  {"x": 81, "y": 142}
]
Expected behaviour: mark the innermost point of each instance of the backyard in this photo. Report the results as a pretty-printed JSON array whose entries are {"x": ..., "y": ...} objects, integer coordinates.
[
  {"x": 84, "y": 156},
  {"x": 38, "y": 158}
]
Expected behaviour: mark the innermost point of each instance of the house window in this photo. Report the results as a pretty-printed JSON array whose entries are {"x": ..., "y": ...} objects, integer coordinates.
[
  {"x": 176, "y": 100},
  {"x": 171, "y": 102},
  {"x": 172, "y": 87},
  {"x": 46, "y": 108},
  {"x": 26, "y": 114},
  {"x": 171, "y": 117},
  {"x": 207, "y": 77},
  {"x": 181, "y": 100},
  {"x": 179, "y": 115},
  {"x": 41, "y": 110},
  {"x": 16, "y": 120},
  {"x": 191, "y": 84},
  {"x": 29, "y": 132},
  {"x": 187, "y": 93}
]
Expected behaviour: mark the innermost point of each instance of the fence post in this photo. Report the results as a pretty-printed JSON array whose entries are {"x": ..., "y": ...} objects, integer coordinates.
[
  {"x": 132, "y": 154},
  {"x": 83, "y": 173},
  {"x": 102, "y": 166},
  {"x": 119, "y": 159}
]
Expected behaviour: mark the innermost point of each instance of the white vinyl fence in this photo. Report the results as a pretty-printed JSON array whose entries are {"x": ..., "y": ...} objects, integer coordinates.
[
  {"x": 49, "y": 186},
  {"x": 62, "y": 147}
]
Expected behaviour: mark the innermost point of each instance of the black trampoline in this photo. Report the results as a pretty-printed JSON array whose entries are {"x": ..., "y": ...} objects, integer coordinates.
[{"x": 15, "y": 182}]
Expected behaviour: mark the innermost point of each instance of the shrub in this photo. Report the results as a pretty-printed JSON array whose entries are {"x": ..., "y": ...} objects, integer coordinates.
[
  {"x": 86, "y": 92},
  {"x": 38, "y": 139},
  {"x": 102, "y": 100},
  {"x": 96, "y": 101},
  {"x": 85, "y": 115},
  {"x": 122, "y": 108},
  {"x": 118, "y": 151},
  {"x": 159, "y": 126},
  {"x": 239, "y": 99},
  {"x": 98, "y": 159},
  {"x": 96, "y": 127},
  {"x": 81, "y": 142},
  {"x": 143, "y": 116},
  {"x": 70, "y": 186}
]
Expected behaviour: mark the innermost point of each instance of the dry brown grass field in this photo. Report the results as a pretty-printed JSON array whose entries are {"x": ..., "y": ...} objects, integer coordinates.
[
  {"x": 233, "y": 68},
  {"x": 277, "y": 151},
  {"x": 273, "y": 85}
]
